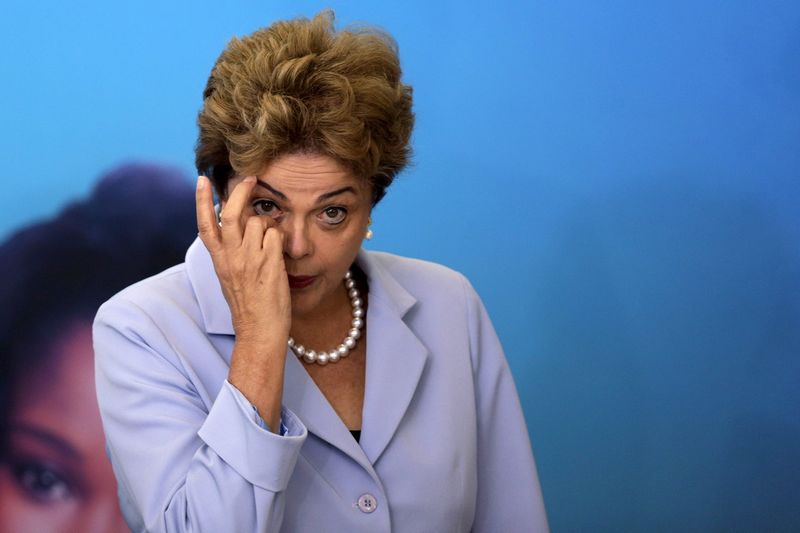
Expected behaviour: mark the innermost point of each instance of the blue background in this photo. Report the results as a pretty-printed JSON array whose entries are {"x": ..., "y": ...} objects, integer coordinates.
[{"x": 618, "y": 179}]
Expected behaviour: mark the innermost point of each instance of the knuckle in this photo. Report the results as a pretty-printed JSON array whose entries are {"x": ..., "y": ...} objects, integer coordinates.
[{"x": 228, "y": 219}]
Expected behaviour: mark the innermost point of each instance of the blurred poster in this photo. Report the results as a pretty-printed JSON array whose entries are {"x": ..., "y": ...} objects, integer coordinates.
[{"x": 54, "y": 473}]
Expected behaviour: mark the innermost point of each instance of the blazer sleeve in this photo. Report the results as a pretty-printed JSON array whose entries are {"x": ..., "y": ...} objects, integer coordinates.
[
  {"x": 509, "y": 495},
  {"x": 180, "y": 465}
]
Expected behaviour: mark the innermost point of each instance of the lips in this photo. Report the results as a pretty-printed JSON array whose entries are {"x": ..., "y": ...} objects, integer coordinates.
[{"x": 299, "y": 282}]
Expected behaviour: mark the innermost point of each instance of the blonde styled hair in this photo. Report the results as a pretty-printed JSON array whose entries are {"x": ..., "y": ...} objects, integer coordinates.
[{"x": 300, "y": 86}]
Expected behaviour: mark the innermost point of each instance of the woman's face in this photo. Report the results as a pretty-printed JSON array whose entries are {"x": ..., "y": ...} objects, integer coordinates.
[
  {"x": 323, "y": 211},
  {"x": 56, "y": 476}
]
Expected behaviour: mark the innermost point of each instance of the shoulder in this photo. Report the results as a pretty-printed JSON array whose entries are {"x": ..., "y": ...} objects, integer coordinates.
[
  {"x": 157, "y": 297},
  {"x": 420, "y": 277},
  {"x": 427, "y": 282},
  {"x": 444, "y": 310},
  {"x": 154, "y": 321}
]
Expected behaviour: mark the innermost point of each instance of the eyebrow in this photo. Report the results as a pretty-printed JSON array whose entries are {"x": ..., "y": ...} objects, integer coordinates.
[
  {"x": 48, "y": 438},
  {"x": 320, "y": 198}
]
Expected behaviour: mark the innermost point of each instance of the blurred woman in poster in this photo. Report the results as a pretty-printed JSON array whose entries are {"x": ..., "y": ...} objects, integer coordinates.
[{"x": 54, "y": 473}]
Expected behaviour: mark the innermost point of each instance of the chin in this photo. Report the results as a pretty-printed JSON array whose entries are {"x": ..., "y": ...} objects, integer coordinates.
[
  {"x": 310, "y": 298},
  {"x": 303, "y": 300}
]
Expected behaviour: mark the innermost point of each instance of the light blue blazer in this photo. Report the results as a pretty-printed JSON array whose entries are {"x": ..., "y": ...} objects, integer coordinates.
[{"x": 443, "y": 448}]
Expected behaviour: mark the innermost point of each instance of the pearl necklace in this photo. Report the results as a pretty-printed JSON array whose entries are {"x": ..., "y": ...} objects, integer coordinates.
[{"x": 343, "y": 350}]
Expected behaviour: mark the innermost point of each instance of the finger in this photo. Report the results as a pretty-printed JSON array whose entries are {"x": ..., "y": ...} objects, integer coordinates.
[
  {"x": 231, "y": 216},
  {"x": 254, "y": 233},
  {"x": 206, "y": 217},
  {"x": 273, "y": 243}
]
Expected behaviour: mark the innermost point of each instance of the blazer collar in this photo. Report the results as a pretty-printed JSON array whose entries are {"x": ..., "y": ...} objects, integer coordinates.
[
  {"x": 213, "y": 307},
  {"x": 395, "y": 358}
]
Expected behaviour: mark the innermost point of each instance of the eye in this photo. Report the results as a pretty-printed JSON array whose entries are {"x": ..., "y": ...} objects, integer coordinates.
[
  {"x": 42, "y": 482},
  {"x": 333, "y": 215},
  {"x": 266, "y": 207}
]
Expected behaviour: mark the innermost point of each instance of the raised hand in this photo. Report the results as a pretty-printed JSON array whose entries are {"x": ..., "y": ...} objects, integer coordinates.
[{"x": 247, "y": 252}]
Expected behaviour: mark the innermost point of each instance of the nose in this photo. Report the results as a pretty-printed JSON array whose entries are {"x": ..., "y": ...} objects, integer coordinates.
[{"x": 297, "y": 242}]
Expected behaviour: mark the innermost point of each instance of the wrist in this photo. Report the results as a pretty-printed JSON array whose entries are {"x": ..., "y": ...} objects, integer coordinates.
[
  {"x": 257, "y": 335},
  {"x": 257, "y": 370},
  {"x": 258, "y": 355}
]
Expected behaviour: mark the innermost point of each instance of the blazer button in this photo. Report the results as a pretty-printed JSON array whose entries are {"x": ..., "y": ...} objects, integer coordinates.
[{"x": 367, "y": 503}]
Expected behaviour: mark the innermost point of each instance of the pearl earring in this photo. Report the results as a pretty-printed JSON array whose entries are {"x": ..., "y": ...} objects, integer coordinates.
[{"x": 369, "y": 233}]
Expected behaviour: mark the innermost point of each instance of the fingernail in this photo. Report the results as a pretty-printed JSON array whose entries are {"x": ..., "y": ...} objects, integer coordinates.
[
  {"x": 250, "y": 179},
  {"x": 200, "y": 181}
]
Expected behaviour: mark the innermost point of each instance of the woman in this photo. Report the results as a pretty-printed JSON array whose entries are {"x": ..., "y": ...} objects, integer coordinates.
[
  {"x": 283, "y": 378},
  {"x": 54, "y": 473}
]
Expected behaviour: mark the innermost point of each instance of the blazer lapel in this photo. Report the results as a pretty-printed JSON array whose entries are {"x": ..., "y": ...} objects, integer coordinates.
[
  {"x": 395, "y": 362},
  {"x": 302, "y": 396},
  {"x": 395, "y": 358},
  {"x": 205, "y": 284}
]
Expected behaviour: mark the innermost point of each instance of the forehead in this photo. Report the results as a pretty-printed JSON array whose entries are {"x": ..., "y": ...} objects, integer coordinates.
[
  {"x": 308, "y": 173},
  {"x": 59, "y": 397},
  {"x": 309, "y": 165},
  {"x": 64, "y": 372}
]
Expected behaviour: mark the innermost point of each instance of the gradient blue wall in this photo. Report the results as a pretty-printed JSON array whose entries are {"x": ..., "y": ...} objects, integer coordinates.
[{"x": 618, "y": 179}]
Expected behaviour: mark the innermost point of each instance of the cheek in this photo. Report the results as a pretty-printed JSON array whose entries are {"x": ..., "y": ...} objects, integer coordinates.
[
  {"x": 341, "y": 247},
  {"x": 335, "y": 254}
]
